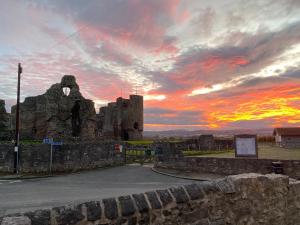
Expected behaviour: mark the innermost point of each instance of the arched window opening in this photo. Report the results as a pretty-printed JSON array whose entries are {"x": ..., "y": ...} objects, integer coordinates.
[
  {"x": 66, "y": 91},
  {"x": 136, "y": 125},
  {"x": 76, "y": 120}
]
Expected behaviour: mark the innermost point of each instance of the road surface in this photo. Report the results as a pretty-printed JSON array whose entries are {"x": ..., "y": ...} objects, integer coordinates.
[{"x": 26, "y": 195}]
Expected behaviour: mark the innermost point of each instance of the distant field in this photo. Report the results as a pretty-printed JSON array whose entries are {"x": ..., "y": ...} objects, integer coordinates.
[
  {"x": 142, "y": 142},
  {"x": 264, "y": 152}
]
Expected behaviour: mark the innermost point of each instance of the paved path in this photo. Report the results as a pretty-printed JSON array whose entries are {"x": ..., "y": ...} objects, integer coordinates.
[{"x": 25, "y": 195}]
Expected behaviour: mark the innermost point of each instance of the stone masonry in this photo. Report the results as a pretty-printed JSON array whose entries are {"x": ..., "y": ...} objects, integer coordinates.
[
  {"x": 227, "y": 166},
  {"x": 62, "y": 115},
  {"x": 56, "y": 114},
  {"x": 4, "y": 122},
  {"x": 123, "y": 118},
  {"x": 250, "y": 199},
  {"x": 35, "y": 158}
]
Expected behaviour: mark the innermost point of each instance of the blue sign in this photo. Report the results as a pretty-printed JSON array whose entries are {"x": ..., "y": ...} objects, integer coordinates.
[
  {"x": 47, "y": 141},
  {"x": 50, "y": 141}
]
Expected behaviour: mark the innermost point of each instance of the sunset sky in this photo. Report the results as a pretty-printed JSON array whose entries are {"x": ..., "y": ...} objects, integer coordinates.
[{"x": 199, "y": 64}]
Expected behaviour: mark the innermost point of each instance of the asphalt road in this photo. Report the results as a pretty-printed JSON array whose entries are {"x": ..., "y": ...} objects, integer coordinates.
[{"x": 26, "y": 195}]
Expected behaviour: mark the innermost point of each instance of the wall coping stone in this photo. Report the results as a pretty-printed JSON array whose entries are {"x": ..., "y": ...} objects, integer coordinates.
[
  {"x": 153, "y": 199},
  {"x": 139, "y": 208}
]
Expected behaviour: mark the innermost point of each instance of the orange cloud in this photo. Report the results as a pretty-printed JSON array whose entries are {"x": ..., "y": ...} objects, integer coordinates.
[{"x": 277, "y": 103}]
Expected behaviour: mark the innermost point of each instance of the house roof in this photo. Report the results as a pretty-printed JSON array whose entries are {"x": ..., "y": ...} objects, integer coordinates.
[{"x": 290, "y": 131}]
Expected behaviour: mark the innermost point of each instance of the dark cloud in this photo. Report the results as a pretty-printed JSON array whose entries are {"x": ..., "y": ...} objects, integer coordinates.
[
  {"x": 251, "y": 124},
  {"x": 111, "y": 53},
  {"x": 142, "y": 22},
  {"x": 200, "y": 66},
  {"x": 257, "y": 84},
  {"x": 158, "y": 111},
  {"x": 292, "y": 74},
  {"x": 173, "y": 117}
]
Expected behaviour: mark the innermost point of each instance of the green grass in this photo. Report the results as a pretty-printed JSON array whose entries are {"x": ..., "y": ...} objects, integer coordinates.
[
  {"x": 141, "y": 142},
  {"x": 133, "y": 152},
  {"x": 205, "y": 153},
  {"x": 265, "y": 151},
  {"x": 24, "y": 142}
]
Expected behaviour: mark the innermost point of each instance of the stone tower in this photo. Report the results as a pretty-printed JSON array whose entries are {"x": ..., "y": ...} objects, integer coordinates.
[{"x": 123, "y": 119}]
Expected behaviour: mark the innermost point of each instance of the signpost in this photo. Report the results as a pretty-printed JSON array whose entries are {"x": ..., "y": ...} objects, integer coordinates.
[
  {"x": 17, "y": 135},
  {"x": 119, "y": 149},
  {"x": 245, "y": 145},
  {"x": 52, "y": 143}
]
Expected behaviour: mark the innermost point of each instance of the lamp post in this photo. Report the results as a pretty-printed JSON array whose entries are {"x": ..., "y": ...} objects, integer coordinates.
[{"x": 17, "y": 135}]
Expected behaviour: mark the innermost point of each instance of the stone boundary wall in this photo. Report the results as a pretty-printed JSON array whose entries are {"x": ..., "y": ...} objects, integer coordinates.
[
  {"x": 235, "y": 200},
  {"x": 229, "y": 166},
  {"x": 35, "y": 158}
]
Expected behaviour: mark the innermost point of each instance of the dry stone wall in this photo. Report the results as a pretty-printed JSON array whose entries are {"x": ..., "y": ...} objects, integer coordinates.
[
  {"x": 250, "y": 199},
  {"x": 228, "y": 166},
  {"x": 35, "y": 158}
]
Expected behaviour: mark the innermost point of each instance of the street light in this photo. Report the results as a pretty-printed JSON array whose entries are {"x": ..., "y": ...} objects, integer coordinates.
[{"x": 17, "y": 135}]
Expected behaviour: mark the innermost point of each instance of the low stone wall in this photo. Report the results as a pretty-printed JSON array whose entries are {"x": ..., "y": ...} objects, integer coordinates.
[
  {"x": 235, "y": 200},
  {"x": 35, "y": 158},
  {"x": 229, "y": 166}
]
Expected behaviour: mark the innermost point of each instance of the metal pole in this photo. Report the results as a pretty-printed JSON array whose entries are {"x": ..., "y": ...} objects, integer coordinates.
[
  {"x": 125, "y": 154},
  {"x": 17, "y": 135},
  {"x": 51, "y": 154}
]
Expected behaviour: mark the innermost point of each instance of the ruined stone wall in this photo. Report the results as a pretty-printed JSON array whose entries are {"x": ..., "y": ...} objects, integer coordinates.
[
  {"x": 5, "y": 133},
  {"x": 35, "y": 158},
  {"x": 122, "y": 119},
  {"x": 228, "y": 166},
  {"x": 56, "y": 114},
  {"x": 250, "y": 199},
  {"x": 206, "y": 142},
  {"x": 61, "y": 115}
]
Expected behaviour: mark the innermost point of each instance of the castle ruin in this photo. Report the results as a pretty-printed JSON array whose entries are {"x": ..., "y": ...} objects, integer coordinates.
[
  {"x": 123, "y": 118},
  {"x": 4, "y": 121},
  {"x": 62, "y": 112}
]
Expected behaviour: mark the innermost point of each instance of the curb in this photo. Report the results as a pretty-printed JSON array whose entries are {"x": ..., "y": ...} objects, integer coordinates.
[
  {"x": 176, "y": 176},
  {"x": 20, "y": 177},
  {"x": 25, "y": 178}
]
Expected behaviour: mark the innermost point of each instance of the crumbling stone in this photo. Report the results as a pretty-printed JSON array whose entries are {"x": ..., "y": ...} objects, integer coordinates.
[
  {"x": 4, "y": 122},
  {"x": 62, "y": 112},
  {"x": 57, "y": 115},
  {"x": 122, "y": 119}
]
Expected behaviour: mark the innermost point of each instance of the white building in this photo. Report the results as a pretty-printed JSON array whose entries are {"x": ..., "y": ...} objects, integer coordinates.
[{"x": 288, "y": 137}]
